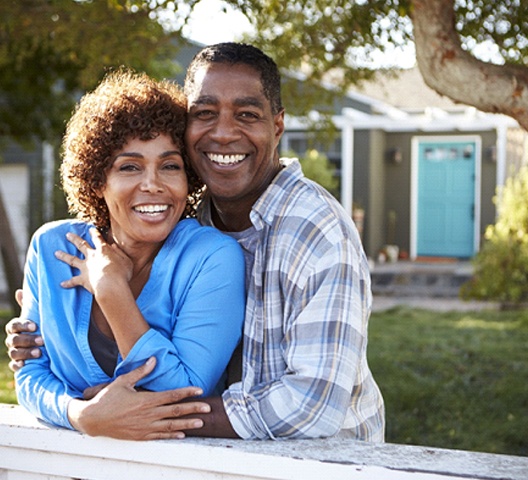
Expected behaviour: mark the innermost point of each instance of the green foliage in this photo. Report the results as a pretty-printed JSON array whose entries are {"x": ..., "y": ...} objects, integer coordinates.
[
  {"x": 317, "y": 167},
  {"x": 501, "y": 266},
  {"x": 53, "y": 51}
]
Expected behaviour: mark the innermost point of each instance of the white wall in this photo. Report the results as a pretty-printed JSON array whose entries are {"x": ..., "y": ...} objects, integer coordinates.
[
  {"x": 31, "y": 451},
  {"x": 14, "y": 183}
]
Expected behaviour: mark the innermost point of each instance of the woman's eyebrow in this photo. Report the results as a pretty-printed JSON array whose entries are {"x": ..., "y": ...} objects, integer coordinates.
[
  {"x": 170, "y": 153},
  {"x": 128, "y": 154}
]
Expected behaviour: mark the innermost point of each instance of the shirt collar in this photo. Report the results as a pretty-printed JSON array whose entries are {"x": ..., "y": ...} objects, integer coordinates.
[{"x": 270, "y": 202}]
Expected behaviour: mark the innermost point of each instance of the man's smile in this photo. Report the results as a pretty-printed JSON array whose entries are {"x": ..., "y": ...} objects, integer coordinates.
[{"x": 225, "y": 159}]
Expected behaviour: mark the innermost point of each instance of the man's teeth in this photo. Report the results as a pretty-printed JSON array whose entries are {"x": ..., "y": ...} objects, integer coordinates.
[
  {"x": 225, "y": 159},
  {"x": 151, "y": 208}
]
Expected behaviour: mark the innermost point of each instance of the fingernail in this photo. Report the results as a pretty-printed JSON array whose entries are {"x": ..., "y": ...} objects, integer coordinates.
[
  {"x": 205, "y": 409},
  {"x": 69, "y": 236},
  {"x": 39, "y": 341},
  {"x": 35, "y": 352},
  {"x": 150, "y": 361},
  {"x": 197, "y": 424},
  {"x": 198, "y": 392}
]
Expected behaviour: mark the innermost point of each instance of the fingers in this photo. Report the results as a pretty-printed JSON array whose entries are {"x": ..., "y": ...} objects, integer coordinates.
[
  {"x": 21, "y": 346},
  {"x": 82, "y": 245},
  {"x": 71, "y": 260},
  {"x": 19, "y": 355},
  {"x": 19, "y": 296},
  {"x": 15, "y": 366},
  {"x": 133, "y": 377},
  {"x": 25, "y": 353},
  {"x": 172, "y": 428},
  {"x": 19, "y": 325}
]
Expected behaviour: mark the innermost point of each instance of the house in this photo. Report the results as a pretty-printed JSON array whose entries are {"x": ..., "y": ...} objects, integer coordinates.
[{"x": 423, "y": 170}]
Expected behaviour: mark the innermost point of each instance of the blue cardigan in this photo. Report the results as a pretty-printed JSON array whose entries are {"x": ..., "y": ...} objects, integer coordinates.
[{"x": 193, "y": 301}]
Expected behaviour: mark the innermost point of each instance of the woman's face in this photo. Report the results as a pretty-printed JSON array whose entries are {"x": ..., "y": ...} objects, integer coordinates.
[{"x": 145, "y": 190}]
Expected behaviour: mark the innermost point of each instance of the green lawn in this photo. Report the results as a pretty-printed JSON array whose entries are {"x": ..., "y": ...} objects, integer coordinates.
[
  {"x": 7, "y": 392},
  {"x": 450, "y": 380},
  {"x": 453, "y": 380}
]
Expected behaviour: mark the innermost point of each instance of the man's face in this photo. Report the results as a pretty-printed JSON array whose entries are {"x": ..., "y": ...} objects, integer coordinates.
[{"x": 232, "y": 134}]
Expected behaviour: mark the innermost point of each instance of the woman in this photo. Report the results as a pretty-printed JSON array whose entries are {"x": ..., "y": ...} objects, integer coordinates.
[{"x": 150, "y": 281}]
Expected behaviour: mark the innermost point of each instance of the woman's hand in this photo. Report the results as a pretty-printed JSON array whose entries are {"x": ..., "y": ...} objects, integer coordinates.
[
  {"x": 104, "y": 267},
  {"x": 119, "y": 411}
]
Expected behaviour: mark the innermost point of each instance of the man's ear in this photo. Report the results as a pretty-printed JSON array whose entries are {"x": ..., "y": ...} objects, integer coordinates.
[{"x": 278, "y": 120}]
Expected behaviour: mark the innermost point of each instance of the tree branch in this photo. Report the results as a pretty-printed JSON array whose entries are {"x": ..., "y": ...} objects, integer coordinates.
[{"x": 455, "y": 73}]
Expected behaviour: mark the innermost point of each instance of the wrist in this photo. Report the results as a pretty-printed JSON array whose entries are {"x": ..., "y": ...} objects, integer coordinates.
[{"x": 77, "y": 415}]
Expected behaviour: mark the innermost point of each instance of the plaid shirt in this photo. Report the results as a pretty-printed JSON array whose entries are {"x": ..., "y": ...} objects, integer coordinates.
[{"x": 305, "y": 372}]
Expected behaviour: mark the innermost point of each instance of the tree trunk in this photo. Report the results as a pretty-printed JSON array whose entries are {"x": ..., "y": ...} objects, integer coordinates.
[
  {"x": 451, "y": 71},
  {"x": 8, "y": 250}
]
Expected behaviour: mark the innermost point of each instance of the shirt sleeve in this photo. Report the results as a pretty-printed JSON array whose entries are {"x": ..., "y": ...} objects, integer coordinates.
[
  {"x": 322, "y": 348},
  {"x": 42, "y": 393},
  {"x": 38, "y": 389},
  {"x": 207, "y": 329}
]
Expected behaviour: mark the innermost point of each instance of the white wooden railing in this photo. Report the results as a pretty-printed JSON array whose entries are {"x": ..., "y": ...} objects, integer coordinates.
[{"x": 30, "y": 450}]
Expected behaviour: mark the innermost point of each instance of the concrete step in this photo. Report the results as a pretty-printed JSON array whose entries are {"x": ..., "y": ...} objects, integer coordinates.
[{"x": 416, "y": 279}]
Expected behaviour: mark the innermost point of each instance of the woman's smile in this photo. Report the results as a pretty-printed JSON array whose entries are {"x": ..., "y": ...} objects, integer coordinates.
[{"x": 145, "y": 191}]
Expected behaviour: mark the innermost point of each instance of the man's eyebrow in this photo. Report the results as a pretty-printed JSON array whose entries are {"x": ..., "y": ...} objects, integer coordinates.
[
  {"x": 249, "y": 102},
  {"x": 239, "y": 102},
  {"x": 205, "y": 100}
]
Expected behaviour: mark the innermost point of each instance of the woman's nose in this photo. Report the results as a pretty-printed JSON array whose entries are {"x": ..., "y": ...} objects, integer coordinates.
[{"x": 151, "y": 181}]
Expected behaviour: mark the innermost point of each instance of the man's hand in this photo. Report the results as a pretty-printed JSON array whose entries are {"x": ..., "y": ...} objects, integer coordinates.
[
  {"x": 21, "y": 344},
  {"x": 119, "y": 411}
]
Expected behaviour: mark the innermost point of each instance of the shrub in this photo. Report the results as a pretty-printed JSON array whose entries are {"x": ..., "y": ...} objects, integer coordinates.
[
  {"x": 501, "y": 266},
  {"x": 317, "y": 167}
]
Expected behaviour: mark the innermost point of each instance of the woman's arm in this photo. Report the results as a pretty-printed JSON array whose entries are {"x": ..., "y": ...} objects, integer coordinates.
[{"x": 207, "y": 325}]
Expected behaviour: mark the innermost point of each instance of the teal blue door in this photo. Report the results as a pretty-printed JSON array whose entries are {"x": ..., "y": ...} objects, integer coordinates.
[{"x": 446, "y": 199}]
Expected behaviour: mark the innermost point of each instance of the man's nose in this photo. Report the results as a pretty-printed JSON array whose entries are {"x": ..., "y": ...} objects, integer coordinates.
[{"x": 226, "y": 129}]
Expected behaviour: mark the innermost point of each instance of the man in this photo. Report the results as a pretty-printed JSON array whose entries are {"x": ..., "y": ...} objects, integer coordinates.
[{"x": 304, "y": 366}]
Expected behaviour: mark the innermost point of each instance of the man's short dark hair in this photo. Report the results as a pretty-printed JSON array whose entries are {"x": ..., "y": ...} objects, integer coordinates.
[{"x": 240, "y": 53}]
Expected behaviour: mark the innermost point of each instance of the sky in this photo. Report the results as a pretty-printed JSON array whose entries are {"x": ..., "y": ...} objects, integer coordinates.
[{"x": 210, "y": 24}]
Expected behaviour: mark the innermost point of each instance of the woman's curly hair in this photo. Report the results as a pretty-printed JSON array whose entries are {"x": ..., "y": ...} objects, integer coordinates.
[{"x": 125, "y": 105}]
